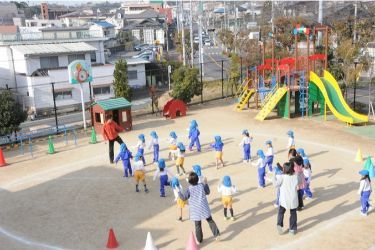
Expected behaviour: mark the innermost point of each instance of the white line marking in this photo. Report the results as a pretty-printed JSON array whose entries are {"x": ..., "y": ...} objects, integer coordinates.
[{"x": 28, "y": 242}]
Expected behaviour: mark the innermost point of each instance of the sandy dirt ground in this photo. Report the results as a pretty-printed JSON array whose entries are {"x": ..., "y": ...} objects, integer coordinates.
[{"x": 69, "y": 200}]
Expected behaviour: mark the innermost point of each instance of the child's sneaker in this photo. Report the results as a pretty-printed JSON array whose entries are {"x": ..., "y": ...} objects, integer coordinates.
[
  {"x": 136, "y": 189},
  {"x": 280, "y": 230},
  {"x": 146, "y": 190},
  {"x": 292, "y": 232},
  {"x": 179, "y": 219},
  {"x": 217, "y": 238},
  {"x": 232, "y": 218},
  {"x": 370, "y": 208},
  {"x": 226, "y": 218},
  {"x": 363, "y": 214}
]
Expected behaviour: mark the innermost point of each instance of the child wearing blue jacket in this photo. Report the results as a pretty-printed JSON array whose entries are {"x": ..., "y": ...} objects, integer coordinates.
[
  {"x": 125, "y": 155},
  {"x": 218, "y": 146},
  {"x": 194, "y": 136}
]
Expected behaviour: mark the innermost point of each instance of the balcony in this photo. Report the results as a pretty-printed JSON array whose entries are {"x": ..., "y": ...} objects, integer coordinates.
[{"x": 45, "y": 37}]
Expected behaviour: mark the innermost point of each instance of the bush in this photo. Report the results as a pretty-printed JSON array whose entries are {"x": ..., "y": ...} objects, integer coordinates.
[{"x": 185, "y": 83}]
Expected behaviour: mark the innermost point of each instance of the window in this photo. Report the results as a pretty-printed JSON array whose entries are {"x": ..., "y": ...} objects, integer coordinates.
[
  {"x": 72, "y": 58},
  {"x": 93, "y": 56},
  {"x": 102, "y": 90},
  {"x": 132, "y": 75},
  {"x": 63, "y": 94},
  {"x": 106, "y": 33},
  {"x": 49, "y": 62}
]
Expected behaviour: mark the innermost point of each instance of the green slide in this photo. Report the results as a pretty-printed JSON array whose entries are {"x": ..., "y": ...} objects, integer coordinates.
[{"x": 334, "y": 99}]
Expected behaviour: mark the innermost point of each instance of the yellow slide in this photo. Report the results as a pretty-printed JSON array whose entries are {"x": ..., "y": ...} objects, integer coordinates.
[
  {"x": 335, "y": 100},
  {"x": 271, "y": 103}
]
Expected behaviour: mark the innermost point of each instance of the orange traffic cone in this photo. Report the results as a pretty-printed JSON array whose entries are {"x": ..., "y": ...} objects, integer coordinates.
[
  {"x": 2, "y": 160},
  {"x": 192, "y": 244},
  {"x": 112, "y": 242}
]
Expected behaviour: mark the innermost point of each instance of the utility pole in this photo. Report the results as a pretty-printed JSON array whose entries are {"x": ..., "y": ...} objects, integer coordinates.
[
  {"x": 272, "y": 18},
  {"x": 178, "y": 17},
  {"x": 320, "y": 20},
  {"x": 200, "y": 43},
  {"x": 191, "y": 35},
  {"x": 183, "y": 35},
  {"x": 355, "y": 24}
]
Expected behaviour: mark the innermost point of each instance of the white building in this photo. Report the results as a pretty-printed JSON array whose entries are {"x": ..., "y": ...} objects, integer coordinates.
[
  {"x": 106, "y": 30},
  {"x": 30, "y": 66},
  {"x": 42, "y": 23}
]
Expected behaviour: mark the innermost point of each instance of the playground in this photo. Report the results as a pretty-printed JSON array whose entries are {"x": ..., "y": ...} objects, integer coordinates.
[
  {"x": 302, "y": 80},
  {"x": 70, "y": 199}
]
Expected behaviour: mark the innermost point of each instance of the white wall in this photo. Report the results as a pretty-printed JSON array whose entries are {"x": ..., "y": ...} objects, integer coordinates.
[
  {"x": 141, "y": 75},
  {"x": 99, "y": 45},
  {"x": 6, "y": 68}
]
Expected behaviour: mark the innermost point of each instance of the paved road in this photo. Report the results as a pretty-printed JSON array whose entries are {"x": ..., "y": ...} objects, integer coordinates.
[{"x": 212, "y": 67}]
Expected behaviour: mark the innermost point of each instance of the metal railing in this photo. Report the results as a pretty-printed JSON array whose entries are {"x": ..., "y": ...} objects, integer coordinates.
[{"x": 50, "y": 36}]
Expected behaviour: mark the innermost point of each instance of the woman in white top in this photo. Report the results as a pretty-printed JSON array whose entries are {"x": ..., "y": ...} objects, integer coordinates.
[
  {"x": 288, "y": 184},
  {"x": 365, "y": 191}
]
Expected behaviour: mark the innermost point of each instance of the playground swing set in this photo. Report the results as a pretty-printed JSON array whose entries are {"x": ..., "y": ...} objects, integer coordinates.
[{"x": 297, "y": 77}]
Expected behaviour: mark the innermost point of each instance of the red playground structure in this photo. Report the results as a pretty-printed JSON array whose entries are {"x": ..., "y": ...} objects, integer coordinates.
[{"x": 174, "y": 108}]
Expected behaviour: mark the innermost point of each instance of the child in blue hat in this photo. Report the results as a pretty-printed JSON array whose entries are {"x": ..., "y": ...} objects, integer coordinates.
[
  {"x": 301, "y": 152},
  {"x": 261, "y": 168},
  {"x": 194, "y": 136},
  {"x": 245, "y": 143},
  {"x": 175, "y": 184},
  {"x": 269, "y": 156},
  {"x": 365, "y": 191},
  {"x": 180, "y": 152},
  {"x": 198, "y": 170},
  {"x": 277, "y": 175},
  {"x": 218, "y": 146},
  {"x": 172, "y": 145},
  {"x": 163, "y": 173},
  {"x": 141, "y": 144},
  {"x": 307, "y": 174},
  {"x": 291, "y": 142},
  {"x": 125, "y": 155},
  {"x": 139, "y": 172},
  {"x": 227, "y": 191},
  {"x": 154, "y": 143}
]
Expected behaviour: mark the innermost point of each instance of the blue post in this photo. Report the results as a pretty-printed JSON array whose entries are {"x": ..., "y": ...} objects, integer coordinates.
[
  {"x": 65, "y": 136},
  {"x": 21, "y": 145},
  {"x": 30, "y": 147},
  {"x": 75, "y": 137}
]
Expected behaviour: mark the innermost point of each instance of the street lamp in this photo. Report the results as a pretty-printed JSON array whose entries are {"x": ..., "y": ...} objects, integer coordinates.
[{"x": 355, "y": 81}]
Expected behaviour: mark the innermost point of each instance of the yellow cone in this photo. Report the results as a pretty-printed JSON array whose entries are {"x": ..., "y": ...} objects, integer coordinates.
[{"x": 359, "y": 157}]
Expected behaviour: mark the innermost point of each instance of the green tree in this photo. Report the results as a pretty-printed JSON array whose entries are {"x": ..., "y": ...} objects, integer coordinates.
[
  {"x": 11, "y": 114},
  {"x": 120, "y": 82},
  {"x": 185, "y": 83},
  {"x": 227, "y": 37},
  {"x": 234, "y": 73}
]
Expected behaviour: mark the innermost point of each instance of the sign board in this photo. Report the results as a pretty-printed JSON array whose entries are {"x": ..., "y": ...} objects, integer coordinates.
[
  {"x": 79, "y": 71},
  {"x": 169, "y": 69}
]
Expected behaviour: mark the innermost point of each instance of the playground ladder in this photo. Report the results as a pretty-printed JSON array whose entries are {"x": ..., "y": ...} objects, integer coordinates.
[
  {"x": 271, "y": 103},
  {"x": 244, "y": 98},
  {"x": 242, "y": 88}
]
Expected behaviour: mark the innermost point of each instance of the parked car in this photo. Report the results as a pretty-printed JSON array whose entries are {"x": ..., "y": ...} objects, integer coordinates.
[
  {"x": 140, "y": 47},
  {"x": 207, "y": 42}
]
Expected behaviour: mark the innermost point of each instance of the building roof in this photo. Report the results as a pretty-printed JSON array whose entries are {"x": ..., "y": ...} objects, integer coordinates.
[
  {"x": 65, "y": 28},
  {"x": 7, "y": 29},
  {"x": 53, "y": 49},
  {"x": 114, "y": 104},
  {"x": 145, "y": 14},
  {"x": 142, "y": 24},
  {"x": 104, "y": 24},
  {"x": 79, "y": 13}
]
